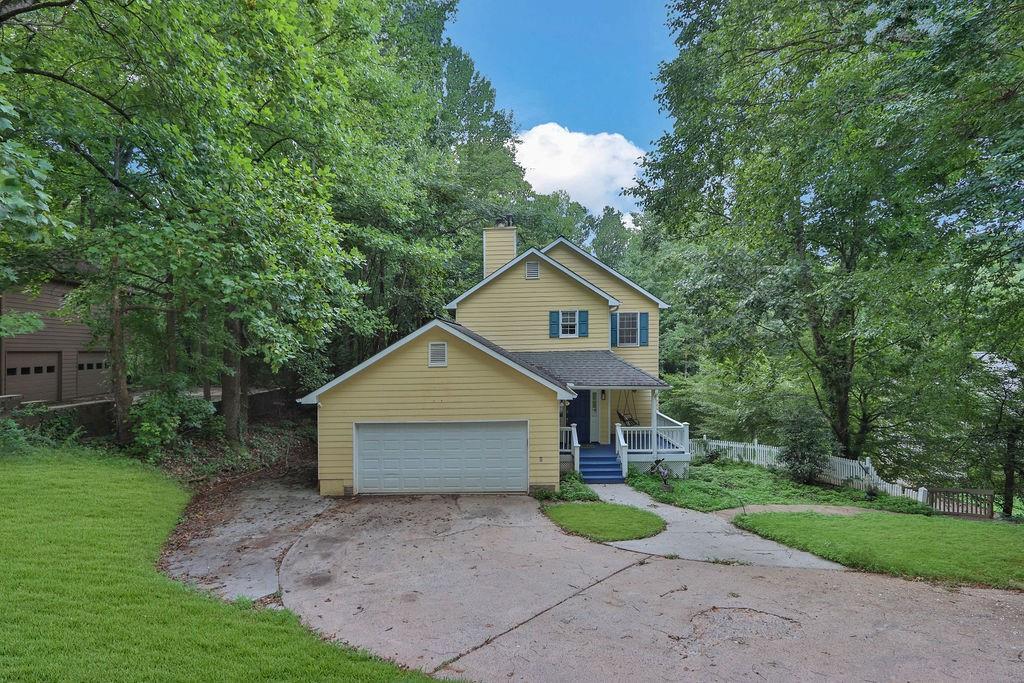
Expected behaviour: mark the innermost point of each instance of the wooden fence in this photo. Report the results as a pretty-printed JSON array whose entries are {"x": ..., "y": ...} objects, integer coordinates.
[
  {"x": 859, "y": 474},
  {"x": 979, "y": 503}
]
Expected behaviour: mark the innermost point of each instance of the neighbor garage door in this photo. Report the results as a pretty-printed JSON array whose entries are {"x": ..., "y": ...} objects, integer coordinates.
[
  {"x": 441, "y": 457},
  {"x": 36, "y": 376}
]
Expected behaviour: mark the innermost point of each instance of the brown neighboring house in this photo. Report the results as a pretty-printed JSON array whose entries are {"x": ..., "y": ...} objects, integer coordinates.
[{"x": 57, "y": 363}]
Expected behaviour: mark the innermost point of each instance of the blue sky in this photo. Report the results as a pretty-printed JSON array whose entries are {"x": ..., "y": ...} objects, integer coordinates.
[{"x": 572, "y": 71}]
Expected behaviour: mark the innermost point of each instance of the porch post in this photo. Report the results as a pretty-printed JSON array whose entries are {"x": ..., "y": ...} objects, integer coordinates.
[{"x": 654, "y": 424}]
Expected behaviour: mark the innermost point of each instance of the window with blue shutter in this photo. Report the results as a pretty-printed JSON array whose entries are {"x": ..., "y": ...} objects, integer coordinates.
[
  {"x": 583, "y": 323},
  {"x": 643, "y": 328},
  {"x": 553, "y": 317},
  {"x": 615, "y": 329}
]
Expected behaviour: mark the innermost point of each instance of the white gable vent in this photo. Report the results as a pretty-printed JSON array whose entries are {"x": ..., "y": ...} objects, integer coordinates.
[
  {"x": 437, "y": 355},
  {"x": 532, "y": 270}
]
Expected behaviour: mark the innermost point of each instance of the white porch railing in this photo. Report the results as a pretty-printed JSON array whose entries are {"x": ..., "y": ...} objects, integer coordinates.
[
  {"x": 668, "y": 439},
  {"x": 569, "y": 442},
  {"x": 622, "y": 449}
]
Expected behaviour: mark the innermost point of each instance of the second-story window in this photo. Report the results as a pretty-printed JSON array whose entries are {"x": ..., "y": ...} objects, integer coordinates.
[
  {"x": 568, "y": 324},
  {"x": 629, "y": 329}
]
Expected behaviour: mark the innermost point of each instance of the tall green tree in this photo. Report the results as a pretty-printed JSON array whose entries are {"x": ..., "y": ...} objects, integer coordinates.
[{"x": 831, "y": 159}]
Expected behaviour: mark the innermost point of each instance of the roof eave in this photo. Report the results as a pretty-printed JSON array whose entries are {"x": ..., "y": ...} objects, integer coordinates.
[{"x": 563, "y": 240}]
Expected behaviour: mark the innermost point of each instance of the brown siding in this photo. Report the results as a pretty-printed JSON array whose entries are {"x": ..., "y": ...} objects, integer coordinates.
[{"x": 59, "y": 335}]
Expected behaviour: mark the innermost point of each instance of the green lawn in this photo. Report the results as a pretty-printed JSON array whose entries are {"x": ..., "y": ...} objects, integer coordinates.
[
  {"x": 605, "y": 521},
  {"x": 79, "y": 537},
  {"x": 724, "y": 485},
  {"x": 940, "y": 548}
]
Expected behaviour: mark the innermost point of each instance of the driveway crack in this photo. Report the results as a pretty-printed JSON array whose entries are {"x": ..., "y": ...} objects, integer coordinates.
[{"x": 547, "y": 609}]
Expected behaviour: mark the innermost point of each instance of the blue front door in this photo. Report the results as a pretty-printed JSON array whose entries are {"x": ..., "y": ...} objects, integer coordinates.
[{"x": 579, "y": 412}]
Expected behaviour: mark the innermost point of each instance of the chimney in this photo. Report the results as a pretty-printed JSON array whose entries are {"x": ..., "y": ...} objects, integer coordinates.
[{"x": 500, "y": 244}]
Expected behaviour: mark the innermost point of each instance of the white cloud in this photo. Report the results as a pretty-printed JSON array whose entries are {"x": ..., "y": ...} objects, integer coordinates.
[{"x": 593, "y": 169}]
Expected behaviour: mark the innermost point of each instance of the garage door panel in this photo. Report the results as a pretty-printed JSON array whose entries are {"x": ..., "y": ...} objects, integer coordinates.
[{"x": 445, "y": 457}]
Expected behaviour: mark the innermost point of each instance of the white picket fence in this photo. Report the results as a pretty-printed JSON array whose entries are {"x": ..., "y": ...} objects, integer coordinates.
[{"x": 859, "y": 474}]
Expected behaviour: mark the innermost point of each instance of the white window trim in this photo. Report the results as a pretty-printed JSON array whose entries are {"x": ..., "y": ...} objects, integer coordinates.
[
  {"x": 430, "y": 360},
  {"x": 618, "y": 329},
  {"x": 526, "y": 270},
  {"x": 576, "y": 324}
]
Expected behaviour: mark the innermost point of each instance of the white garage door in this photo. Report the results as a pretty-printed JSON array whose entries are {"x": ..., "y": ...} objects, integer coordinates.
[{"x": 441, "y": 457}]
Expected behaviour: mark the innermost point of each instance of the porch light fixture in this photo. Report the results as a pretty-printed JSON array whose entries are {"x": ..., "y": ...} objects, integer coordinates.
[{"x": 602, "y": 394}]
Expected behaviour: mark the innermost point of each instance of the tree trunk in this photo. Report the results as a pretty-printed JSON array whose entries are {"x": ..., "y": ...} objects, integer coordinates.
[
  {"x": 118, "y": 364},
  {"x": 243, "y": 392},
  {"x": 171, "y": 330},
  {"x": 204, "y": 354},
  {"x": 1010, "y": 471},
  {"x": 230, "y": 386}
]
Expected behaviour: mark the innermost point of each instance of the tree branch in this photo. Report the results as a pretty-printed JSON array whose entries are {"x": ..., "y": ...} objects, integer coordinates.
[
  {"x": 76, "y": 86},
  {"x": 29, "y": 6}
]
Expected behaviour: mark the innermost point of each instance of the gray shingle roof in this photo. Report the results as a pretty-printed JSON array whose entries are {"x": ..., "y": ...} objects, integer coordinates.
[
  {"x": 525, "y": 363},
  {"x": 590, "y": 369}
]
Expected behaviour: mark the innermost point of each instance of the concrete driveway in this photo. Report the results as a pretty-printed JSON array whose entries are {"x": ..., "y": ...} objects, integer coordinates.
[{"x": 486, "y": 588}]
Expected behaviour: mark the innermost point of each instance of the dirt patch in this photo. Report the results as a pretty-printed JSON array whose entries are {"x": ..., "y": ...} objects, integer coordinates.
[{"x": 842, "y": 510}]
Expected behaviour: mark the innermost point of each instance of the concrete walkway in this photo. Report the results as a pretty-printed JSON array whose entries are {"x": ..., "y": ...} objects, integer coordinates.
[{"x": 694, "y": 535}]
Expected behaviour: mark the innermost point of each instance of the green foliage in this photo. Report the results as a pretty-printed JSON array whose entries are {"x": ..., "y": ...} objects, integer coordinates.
[
  {"x": 806, "y": 443},
  {"x": 13, "y": 438},
  {"x": 572, "y": 488},
  {"x": 603, "y": 522},
  {"x": 160, "y": 418},
  {"x": 937, "y": 548},
  {"x": 82, "y": 533},
  {"x": 725, "y": 485},
  {"x": 823, "y": 231}
]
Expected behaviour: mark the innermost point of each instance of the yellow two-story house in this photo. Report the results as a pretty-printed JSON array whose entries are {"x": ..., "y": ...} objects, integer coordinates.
[{"x": 549, "y": 363}]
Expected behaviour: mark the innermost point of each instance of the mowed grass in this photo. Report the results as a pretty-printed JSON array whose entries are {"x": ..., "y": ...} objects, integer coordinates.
[
  {"x": 723, "y": 485},
  {"x": 937, "y": 548},
  {"x": 605, "y": 521},
  {"x": 79, "y": 537}
]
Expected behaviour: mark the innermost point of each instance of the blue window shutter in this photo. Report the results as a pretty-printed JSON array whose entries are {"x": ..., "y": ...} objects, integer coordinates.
[
  {"x": 615, "y": 329},
  {"x": 582, "y": 323},
  {"x": 643, "y": 329},
  {"x": 553, "y": 323}
]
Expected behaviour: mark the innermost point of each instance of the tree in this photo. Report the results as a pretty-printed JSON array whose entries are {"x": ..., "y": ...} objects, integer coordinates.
[
  {"x": 830, "y": 159},
  {"x": 611, "y": 237}
]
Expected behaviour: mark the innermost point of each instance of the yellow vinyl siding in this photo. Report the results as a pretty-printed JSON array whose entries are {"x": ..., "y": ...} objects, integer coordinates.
[
  {"x": 512, "y": 311},
  {"x": 401, "y": 388},
  {"x": 644, "y": 357},
  {"x": 499, "y": 248}
]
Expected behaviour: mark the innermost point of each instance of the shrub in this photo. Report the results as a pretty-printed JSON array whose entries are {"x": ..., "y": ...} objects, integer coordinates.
[
  {"x": 160, "y": 418},
  {"x": 807, "y": 442},
  {"x": 572, "y": 489},
  {"x": 12, "y": 436}
]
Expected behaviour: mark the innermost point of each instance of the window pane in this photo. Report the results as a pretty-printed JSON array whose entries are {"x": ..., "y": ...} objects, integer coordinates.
[
  {"x": 568, "y": 323},
  {"x": 629, "y": 324}
]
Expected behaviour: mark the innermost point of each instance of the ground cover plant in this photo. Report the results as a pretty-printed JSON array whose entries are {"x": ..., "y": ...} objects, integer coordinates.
[
  {"x": 572, "y": 489},
  {"x": 722, "y": 485},
  {"x": 605, "y": 521},
  {"x": 81, "y": 533},
  {"x": 937, "y": 547}
]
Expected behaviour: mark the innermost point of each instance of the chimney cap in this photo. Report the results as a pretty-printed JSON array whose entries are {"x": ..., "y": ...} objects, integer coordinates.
[{"x": 504, "y": 221}]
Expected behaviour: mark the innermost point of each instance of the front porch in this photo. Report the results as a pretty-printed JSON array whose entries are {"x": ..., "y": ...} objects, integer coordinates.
[{"x": 608, "y": 463}]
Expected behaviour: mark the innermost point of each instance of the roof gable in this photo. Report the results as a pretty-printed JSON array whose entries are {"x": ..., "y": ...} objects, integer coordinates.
[
  {"x": 612, "y": 301},
  {"x": 605, "y": 267},
  {"x": 464, "y": 334}
]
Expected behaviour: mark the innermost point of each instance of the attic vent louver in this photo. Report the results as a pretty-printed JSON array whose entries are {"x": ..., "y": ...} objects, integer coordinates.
[
  {"x": 532, "y": 270},
  {"x": 437, "y": 355}
]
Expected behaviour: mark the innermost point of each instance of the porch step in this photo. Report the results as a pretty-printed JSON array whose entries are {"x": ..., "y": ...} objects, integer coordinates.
[
  {"x": 591, "y": 468},
  {"x": 603, "y": 480}
]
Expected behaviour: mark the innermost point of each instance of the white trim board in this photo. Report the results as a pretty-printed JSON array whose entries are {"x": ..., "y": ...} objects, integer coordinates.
[
  {"x": 608, "y": 269},
  {"x": 612, "y": 301},
  {"x": 313, "y": 397}
]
